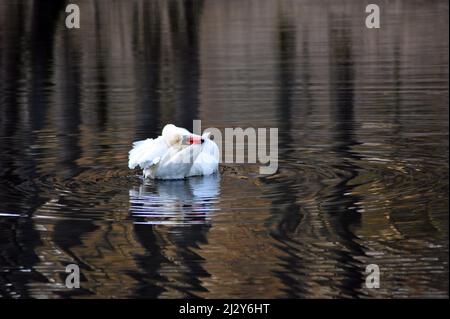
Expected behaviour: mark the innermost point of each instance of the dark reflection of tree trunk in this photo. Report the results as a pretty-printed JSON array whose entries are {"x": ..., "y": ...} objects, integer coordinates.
[
  {"x": 70, "y": 117},
  {"x": 186, "y": 42},
  {"x": 101, "y": 81},
  {"x": 149, "y": 70},
  {"x": 19, "y": 237},
  {"x": 183, "y": 61},
  {"x": 286, "y": 213},
  {"x": 68, "y": 233},
  {"x": 149, "y": 263},
  {"x": 187, "y": 238},
  {"x": 45, "y": 17},
  {"x": 338, "y": 204}
]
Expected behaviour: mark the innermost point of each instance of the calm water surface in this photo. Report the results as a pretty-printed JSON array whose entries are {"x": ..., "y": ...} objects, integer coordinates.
[{"x": 363, "y": 124}]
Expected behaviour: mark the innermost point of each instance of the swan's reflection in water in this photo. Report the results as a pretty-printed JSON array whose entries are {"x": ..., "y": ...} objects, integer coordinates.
[
  {"x": 171, "y": 221},
  {"x": 177, "y": 202}
]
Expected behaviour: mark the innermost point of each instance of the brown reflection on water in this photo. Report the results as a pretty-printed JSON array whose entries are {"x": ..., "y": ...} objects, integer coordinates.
[{"x": 363, "y": 130}]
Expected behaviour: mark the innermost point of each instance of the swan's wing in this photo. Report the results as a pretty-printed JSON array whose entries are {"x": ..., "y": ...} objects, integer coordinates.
[
  {"x": 176, "y": 163},
  {"x": 207, "y": 162},
  {"x": 147, "y": 152}
]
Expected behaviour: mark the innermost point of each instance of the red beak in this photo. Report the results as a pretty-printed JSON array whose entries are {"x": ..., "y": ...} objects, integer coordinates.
[{"x": 195, "y": 139}]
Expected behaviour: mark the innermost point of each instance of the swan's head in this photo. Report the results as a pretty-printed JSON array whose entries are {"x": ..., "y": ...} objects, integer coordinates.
[
  {"x": 178, "y": 137},
  {"x": 171, "y": 135}
]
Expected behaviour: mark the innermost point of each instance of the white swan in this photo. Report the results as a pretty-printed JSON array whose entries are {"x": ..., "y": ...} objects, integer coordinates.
[{"x": 175, "y": 154}]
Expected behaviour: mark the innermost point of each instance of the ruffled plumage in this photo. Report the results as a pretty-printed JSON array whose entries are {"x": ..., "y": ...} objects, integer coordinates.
[{"x": 166, "y": 157}]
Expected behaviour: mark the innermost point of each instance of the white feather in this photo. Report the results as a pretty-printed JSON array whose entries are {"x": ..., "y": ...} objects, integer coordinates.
[{"x": 147, "y": 152}]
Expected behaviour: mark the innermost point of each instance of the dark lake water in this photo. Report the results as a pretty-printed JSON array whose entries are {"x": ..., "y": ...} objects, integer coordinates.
[{"x": 363, "y": 123}]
